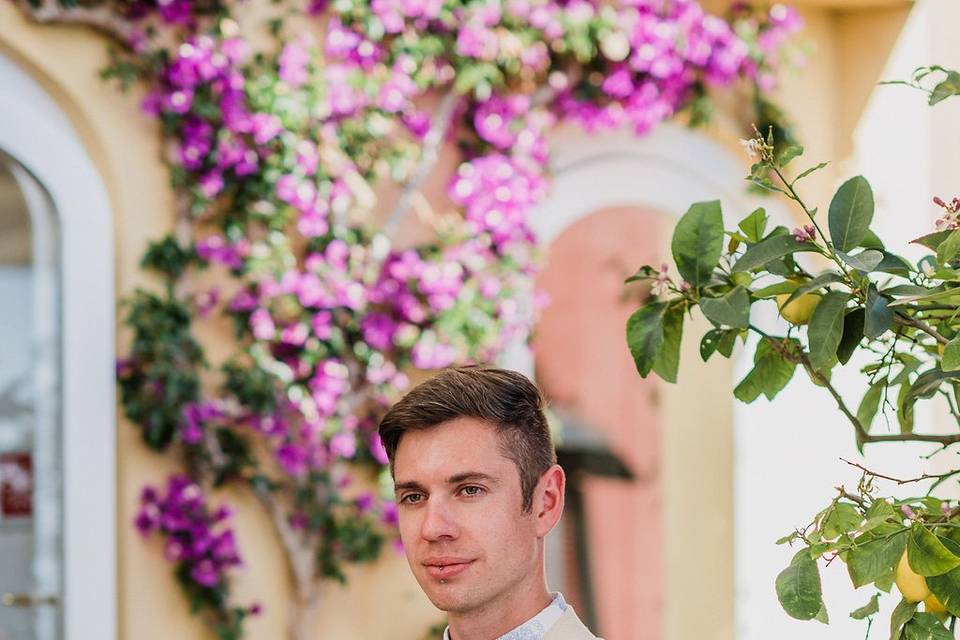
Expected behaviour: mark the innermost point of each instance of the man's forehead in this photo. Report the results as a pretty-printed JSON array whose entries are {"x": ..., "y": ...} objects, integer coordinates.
[{"x": 450, "y": 448}]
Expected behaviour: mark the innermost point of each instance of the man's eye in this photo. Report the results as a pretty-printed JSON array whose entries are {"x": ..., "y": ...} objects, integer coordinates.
[
  {"x": 411, "y": 498},
  {"x": 472, "y": 490}
]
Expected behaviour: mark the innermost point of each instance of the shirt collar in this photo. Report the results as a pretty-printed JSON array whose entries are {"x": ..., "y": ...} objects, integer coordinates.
[{"x": 537, "y": 626}]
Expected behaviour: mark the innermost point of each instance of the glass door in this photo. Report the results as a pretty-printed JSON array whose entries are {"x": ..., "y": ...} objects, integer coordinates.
[{"x": 30, "y": 424}]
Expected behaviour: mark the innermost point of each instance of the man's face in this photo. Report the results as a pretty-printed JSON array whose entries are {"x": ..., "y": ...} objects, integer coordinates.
[{"x": 466, "y": 537}]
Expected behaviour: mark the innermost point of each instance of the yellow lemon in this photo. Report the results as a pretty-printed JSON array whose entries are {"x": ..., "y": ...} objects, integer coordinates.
[
  {"x": 932, "y": 604},
  {"x": 913, "y": 587},
  {"x": 799, "y": 310}
]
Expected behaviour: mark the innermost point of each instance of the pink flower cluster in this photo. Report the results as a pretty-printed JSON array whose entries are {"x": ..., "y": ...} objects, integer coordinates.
[
  {"x": 951, "y": 216},
  {"x": 196, "y": 537},
  {"x": 270, "y": 152},
  {"x": 497, "y": 192},
  {"x": 196, "y": 417},
  {"x": 664, "y": 50},
  {"x": 212, "y": 146}
]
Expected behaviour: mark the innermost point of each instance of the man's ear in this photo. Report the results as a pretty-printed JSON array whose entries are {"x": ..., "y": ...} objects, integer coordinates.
[{"x": 548, "y": 502}]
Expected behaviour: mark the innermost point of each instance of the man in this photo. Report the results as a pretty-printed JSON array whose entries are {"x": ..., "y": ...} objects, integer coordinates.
[{"x": 478, "y": 489}]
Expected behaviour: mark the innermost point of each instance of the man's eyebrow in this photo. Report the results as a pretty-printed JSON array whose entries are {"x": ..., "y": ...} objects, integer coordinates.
[
  {"x": 466, "y": 476},
  {"x": 472, "y": 475},
  {"x": 401, "y": 486}
]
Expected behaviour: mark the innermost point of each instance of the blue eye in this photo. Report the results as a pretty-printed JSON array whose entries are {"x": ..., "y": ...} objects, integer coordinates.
[{"x": 472, "y": 490}]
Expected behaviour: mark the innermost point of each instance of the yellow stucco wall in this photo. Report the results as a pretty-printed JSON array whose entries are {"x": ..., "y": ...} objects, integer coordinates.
[
  {"x": 125, "y": 147},
  {"x": 384, "y": 601}
]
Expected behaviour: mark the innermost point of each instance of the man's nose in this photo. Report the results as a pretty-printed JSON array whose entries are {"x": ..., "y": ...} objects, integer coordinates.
[{"x": 439, "y": 521}]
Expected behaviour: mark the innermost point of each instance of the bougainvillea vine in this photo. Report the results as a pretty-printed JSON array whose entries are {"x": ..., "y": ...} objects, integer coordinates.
[{"x": 278, "y": 153}]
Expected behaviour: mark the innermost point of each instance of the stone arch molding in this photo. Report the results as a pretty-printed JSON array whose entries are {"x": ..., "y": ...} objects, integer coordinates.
[
  {"x": 36, "y": 133},
  {"x": 667, "y": 170}
]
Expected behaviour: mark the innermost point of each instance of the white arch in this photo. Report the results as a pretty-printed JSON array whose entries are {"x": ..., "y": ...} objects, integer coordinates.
[
  {"x": 35, "y": 132},
  {"x": 667, "y": 170}
]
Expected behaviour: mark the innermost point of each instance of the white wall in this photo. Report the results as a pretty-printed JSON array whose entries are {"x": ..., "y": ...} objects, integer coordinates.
[
  {"x": 788, "y": 451},
  {"x": 16, "y": 536}
]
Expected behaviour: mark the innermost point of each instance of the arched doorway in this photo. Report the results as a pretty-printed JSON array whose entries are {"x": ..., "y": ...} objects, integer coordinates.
[
  {"x": 57, "y": 420},
  {"x": 584, "y": 369},
  {"x": 665, "y": 172}
]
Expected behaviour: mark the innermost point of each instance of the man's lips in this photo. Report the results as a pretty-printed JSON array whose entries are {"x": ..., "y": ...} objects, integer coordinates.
[{"x": 445, "y": 568}]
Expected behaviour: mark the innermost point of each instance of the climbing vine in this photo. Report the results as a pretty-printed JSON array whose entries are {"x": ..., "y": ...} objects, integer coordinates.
[{"x": 279, "y": 142}]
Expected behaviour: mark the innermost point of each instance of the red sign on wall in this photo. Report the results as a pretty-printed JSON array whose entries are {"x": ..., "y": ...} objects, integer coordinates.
[{"x": 16, "y": 485}]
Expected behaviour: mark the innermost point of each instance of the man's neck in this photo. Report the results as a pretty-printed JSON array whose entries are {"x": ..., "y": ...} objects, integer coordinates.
[{"x": 497, "y": 618}]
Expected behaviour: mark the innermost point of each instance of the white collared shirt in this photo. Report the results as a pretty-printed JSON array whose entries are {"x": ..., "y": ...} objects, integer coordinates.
[{"x": 537, "y": 626}]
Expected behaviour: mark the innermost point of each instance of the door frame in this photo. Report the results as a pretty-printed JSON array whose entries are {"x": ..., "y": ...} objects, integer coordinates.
[
  {"x": 667, "y": 171},
  {"x": 35, "y": 131}
]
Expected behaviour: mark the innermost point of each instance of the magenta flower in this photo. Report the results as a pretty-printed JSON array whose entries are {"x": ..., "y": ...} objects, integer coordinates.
[
  {"x": 265, "y": 127},
  {"x": 377, "y": 449},
  {"x": 806, "y": 233},
  {"x": 294, "y": 62},
  {"x": 343, "y": 445}
]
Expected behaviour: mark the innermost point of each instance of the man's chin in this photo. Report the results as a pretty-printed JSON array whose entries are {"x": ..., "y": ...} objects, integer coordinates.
[{"x": 447, "y": 597}]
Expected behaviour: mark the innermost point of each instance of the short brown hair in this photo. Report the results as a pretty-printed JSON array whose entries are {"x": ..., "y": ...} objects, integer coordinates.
[{"x": 505, "y": 399}]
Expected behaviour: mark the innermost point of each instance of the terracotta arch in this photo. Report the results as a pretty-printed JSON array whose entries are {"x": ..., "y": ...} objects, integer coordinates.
[{"x": 662, "y": 174}]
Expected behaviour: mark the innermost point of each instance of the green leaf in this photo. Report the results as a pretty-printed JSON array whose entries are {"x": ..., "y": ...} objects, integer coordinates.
[
  {"x": 732, "y": 310},
  {"x": 932, "y": 240},
  {"x": 894, "y": 264},
  {"x": 870, "y": 404},
  {"x": 646, "y": 272},
  {"x": 868, "y": 609},
  {"x": 698, "y": 242},
  {"x": 906, "y": 290},
  {"x": 798, "y": 588},
  {"x": 841, "y": 518},
  {"x": 866, "y": 260},
  {"x": 947, "y": 88},
  {"x": 852, "y": 335},
  {"x": 881, "y": 507},
  {"x": 773, "y": 290},
  {"x": 813, "y": 284},
  {"x": 951, "y": 355},
  {"x": 769, "y": 250},
  {"x": 822, "y": 616},
  {"x": 948, "y": 250},
  {"x": 905, "y": 408},
  {"x": 712, "y": 341},
  {"x": 868, "y": 561},
  {"x": 934, "y": 295},
  {"x": 879, "y": 317},
  {"x": 667, "y": 360},
  {"x": 770, "y": 373},
  {"x": 754, "y": 225},
  {"x": 925, "y": 386},
  {"x": 885, "y": 582},
  {"x": 645, "y": 335},
  {"x": 804, "y": 174},
  {"x": 826, "y": 328},
  {"x": 871, "y": 241},
  {"x": 789, "y": 154},
  {"x": 851, "y": 212},
  {"x": 927, "y": 555},
  {"x": 947, "y": 586},
  {"x": 926, "y": 626},
  {"x": 901, "y": 615},
  {"x": 790, "y": 537},
  {"x": 727, "y": 342}
]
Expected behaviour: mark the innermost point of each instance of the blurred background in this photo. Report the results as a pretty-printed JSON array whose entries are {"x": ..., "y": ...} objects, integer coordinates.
[{"x": 677, "y": 492}]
